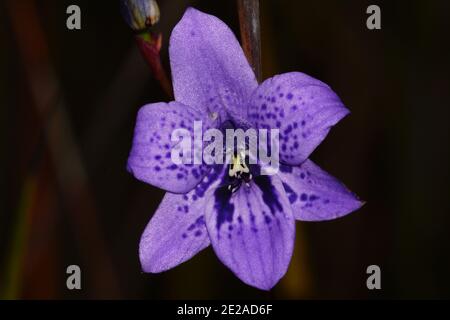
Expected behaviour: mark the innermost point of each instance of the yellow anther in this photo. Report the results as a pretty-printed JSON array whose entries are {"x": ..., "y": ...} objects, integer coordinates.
[{"x": 238, "y": 165}]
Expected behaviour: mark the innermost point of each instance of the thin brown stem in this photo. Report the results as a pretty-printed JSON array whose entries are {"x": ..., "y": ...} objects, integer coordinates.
[
  {"x": 250, "y": 33},
  {"x": 150, "y": 44}
]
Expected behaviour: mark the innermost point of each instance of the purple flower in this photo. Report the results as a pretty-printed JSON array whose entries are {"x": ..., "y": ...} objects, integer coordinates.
[{"x": 252, "y": 228}]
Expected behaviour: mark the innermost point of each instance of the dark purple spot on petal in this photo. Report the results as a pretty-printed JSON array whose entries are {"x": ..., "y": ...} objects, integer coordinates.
[
  {"x": 269, "y": 194},
  {"x": 195, "y": 173},
  {"x": 286, "y": 169},
  {"x": 292, "y": 196},
  {"x": 222, "y": 205}
]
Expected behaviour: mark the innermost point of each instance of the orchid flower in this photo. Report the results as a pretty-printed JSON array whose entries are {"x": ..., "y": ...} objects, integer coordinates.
[{"x": 248, "y": 218}]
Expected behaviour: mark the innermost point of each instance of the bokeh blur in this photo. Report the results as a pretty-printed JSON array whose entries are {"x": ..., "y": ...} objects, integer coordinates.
[{"x": 68, "y": 102}]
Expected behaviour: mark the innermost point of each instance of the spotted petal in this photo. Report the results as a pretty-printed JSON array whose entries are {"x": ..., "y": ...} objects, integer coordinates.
[
  {"x": 315, "y": 195},
  {"x": 177, "y": 230},
  {"x": 209, "y": 68},
  {"x": 252, "y": 230},
  {"x": 150, "y": 158},
  {"x": 301, "y": 107}
]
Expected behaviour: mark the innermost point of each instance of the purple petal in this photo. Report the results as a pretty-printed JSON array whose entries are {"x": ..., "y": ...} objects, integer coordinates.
[
  {"x": 177, "y": 230},
  {"x": 315, "y": 195},
  {"x": 303, "y": 108},
  {"x": 252, "y": 230},
  {"x": 150, "y": 157},
  {"x": 209, "y": 68}
]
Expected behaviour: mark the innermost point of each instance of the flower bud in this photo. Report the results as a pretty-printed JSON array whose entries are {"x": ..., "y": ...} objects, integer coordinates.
[{"x": 140, "y": 14}]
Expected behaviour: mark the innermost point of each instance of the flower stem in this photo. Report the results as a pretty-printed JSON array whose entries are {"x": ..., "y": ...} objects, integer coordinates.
[
  {"x": 150, "y": 44},
  {"x": 250, "y": 33}
]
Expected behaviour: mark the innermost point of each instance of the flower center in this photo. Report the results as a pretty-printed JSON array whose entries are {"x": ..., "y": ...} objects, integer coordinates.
[{"x": 238, "y": 171}]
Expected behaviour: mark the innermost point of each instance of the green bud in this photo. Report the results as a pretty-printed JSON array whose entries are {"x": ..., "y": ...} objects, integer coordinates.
[{"x": 140, "y": 14}]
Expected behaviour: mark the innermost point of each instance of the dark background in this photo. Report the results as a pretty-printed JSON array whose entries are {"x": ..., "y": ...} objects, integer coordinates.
[{"x": 68, "y": 102}]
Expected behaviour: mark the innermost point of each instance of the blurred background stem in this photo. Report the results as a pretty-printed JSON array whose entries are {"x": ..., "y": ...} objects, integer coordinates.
[
  {"x": 12, "y": 279},
  {"x": 70, "y": 173}
]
